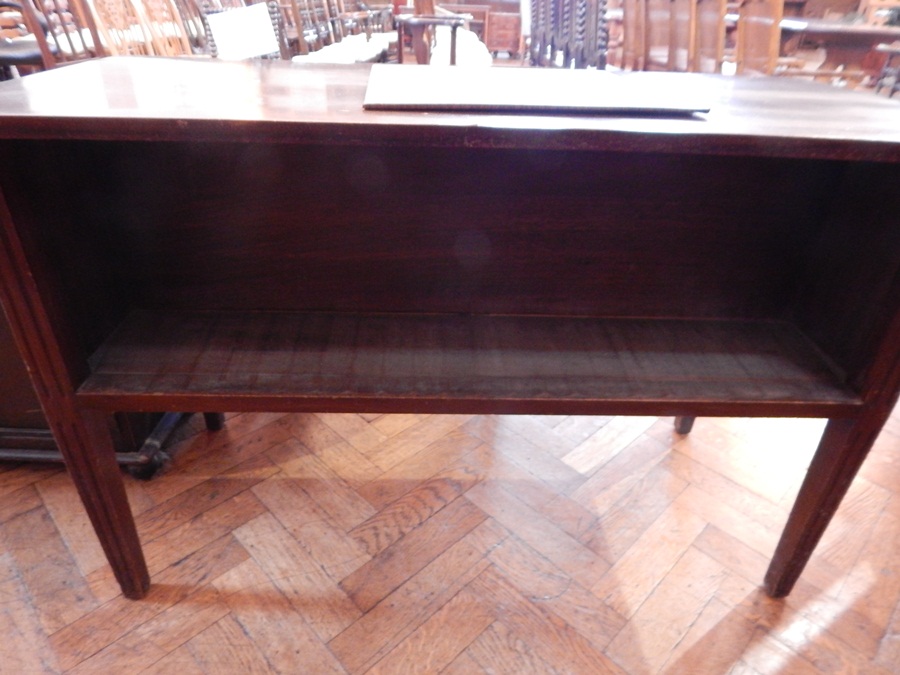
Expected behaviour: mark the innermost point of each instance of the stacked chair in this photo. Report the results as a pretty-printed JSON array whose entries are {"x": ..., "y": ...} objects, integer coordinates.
[
  {"x": 690, "y": 36},
  {"x": 675, "y": 35},
  {"x": 328, "y": 31},
  {"x": 42, "y": 34},
  {"x": 50, "y": 32},
  {"x": 569, "y": 33}
]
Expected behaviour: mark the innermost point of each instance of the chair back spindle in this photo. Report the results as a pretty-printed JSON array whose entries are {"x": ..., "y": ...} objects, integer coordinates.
[{"x": 759, "y": 36}]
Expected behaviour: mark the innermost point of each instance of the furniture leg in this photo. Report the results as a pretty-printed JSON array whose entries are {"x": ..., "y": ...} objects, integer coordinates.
[
  {"x": 421, "y": 44},
  {"x": 453, "y": 45},
  {"x": 82, "y": 435},
  {"x": 684, "y": 424},
  {"x": 214, "y": 421},
  {"x": 91, "y": 462},
  {"x": 842, "y": 449}
]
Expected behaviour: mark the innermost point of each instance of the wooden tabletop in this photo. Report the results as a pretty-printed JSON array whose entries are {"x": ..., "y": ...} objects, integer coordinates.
[{"x": 191, "y": 99}]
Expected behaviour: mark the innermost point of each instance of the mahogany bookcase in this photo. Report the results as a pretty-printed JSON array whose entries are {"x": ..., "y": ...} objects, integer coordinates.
[{"x": 186, "y": 235}]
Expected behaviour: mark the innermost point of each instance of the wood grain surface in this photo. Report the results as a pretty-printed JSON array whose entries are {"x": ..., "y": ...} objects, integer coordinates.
[{"x": 453, "y": 544}]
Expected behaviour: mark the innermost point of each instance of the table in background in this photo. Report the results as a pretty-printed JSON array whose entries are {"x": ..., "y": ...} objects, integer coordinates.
[{"x": 845, "y": 44}]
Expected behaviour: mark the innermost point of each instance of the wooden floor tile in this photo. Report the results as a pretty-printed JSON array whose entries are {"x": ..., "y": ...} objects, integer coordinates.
[
  {"x": 392, "y": 484},
  {"x": 521, "y": 545},
  {"x": 552, "y": 639},
  {"x": 334, "y": 550},
  {"x": 499, "y": 650},
  {"x": 635, "y": 574},
  {"x": 25, "y": 647},
  {"x": 225, "y": 647},
  {"x": 545, "y": 537},
  {"x": 298, "y": 576},
  {"x": 369, "y": 584},
  {"x": 441, "y": 638},
  {"x": 273, "y": 623},
  {"x": 378, "y": 631}
]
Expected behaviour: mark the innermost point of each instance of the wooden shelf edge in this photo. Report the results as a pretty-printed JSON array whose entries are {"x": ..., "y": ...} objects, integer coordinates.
[
  {"x": 130, "y": 402},
  {"x": 251, "y": 361}
]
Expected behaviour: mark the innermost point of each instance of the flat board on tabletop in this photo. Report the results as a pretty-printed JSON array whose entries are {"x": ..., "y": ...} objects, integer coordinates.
[{"x": 541, "y": 90}]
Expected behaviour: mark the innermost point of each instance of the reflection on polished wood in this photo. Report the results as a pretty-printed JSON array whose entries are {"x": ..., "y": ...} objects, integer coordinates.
[{"x": 508, "y": 544}]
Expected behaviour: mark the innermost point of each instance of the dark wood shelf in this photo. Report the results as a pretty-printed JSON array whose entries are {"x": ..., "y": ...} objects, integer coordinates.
[{"x": 460, "y": 363}]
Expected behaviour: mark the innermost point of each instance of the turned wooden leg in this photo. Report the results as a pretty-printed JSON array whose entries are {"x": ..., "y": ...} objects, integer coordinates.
[
  {"x": 684, "y": 424},
  {"x": 844, "y": 446},
  {"x": 214, "y": 421}
]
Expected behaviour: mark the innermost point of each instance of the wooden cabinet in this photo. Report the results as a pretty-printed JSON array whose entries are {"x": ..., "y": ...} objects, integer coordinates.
[
  {"x": 19, "y": 407},
  {"x": 25, "y": 434},
  {"x": 498, "y": 24},
  {"x": 22, "y": 424},
  {"x": 302, "y": 254},
  {"x": 504, "y": 33}
]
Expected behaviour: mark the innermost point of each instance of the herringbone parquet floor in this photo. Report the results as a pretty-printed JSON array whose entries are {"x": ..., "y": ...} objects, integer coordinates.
[{"x": 452, "y": 544}]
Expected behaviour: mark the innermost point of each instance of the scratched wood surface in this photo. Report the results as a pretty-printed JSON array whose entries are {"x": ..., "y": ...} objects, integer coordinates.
[{"x": 344, "y": 543}]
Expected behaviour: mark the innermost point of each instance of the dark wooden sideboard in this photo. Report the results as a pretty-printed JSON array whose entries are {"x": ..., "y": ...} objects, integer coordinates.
[
  {"x": 25, "y": 436},
  {"x": 19, "y": 407},
  {"x": 181, "y": 235}
]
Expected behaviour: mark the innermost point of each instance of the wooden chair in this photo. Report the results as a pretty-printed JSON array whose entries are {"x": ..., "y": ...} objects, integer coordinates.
[
  {"x": 569, "y": 33},
  {"x": 293, "y": 28},
  {"x": 759, "y": 36},
  {"x": 674, "y": 35},
  {"x": 657, "y": 34},
  {"x": 358, "y": 18},
  {"x": 168, "y": 30},
  {"x": 541, "y": 46},
  {"x": 889, "y": 76},
  {"x": 585, "y": 34},
  {"x": 479, "y": 17},
  {"x": 333, "y": 11},
  {"x": 123, "y": 28},
  {"x": 11, "y": 21},
  {"x": 19, "y": 47},
  {"x": 709, "y": 52},
  {"x": 634, "y": 31},
  {"x": 561, "y": 32},
  {"x": 683, "y": 35},
  {"x": 189, "y": 15},
  {"x": 305, "y": 29},
  {"x": 550, "y": 25},
  {"x": 239, "y": 33},
  {"x": 420, "y": 27},
  {"x": 311, "y": 25},
  {"x": 324, "y": 21},
  {"x": 63, "y": 31},
  {"x": 599, "y": 34},
  {"x": 758, "y": 49},
  {"x": 877, "y": 12},
  {"x": 597, "y": 40},
  {"x": 340, "y": 39}
]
